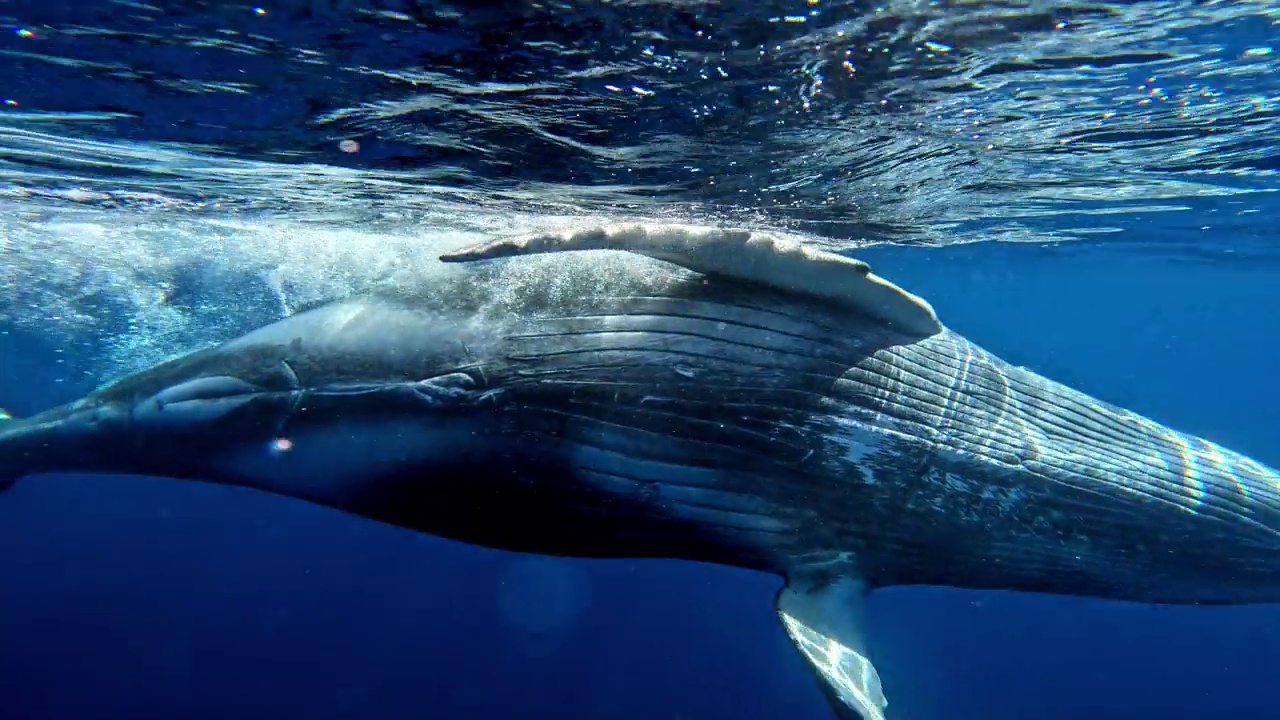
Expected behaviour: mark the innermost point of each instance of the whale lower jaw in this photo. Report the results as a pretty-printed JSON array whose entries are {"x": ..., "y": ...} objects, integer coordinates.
[
  {"x": 334, "y": 461},
  {"x": 66, "y": 438}
]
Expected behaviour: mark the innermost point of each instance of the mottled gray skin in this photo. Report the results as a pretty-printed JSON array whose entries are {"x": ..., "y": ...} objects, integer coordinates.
[{"x": 622, "y": 407}]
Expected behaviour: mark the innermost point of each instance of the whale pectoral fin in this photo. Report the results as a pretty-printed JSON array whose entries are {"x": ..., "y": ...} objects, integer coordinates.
[
  {"x": 825, "y": 623},
  {"x": 774, "y": 259}
]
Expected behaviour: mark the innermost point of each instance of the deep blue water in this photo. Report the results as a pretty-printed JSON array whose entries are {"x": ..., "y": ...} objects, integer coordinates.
[{"x": 1133, "y": 162}]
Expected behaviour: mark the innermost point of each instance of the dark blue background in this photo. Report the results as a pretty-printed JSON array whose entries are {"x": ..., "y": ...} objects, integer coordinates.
[{"x": 146, "y": 598}]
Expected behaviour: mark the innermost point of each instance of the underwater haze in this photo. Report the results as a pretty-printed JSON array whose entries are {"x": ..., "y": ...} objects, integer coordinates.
[{"x": 1085, "y": 189}]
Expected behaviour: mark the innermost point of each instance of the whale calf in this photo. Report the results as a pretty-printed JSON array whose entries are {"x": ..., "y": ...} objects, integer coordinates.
[{"x": 719, "y": 395}]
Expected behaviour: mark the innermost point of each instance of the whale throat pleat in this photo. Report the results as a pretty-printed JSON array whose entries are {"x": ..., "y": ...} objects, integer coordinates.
[
  {"x": 1055, "y": 491},
  {"x": 688, "y": 410}
]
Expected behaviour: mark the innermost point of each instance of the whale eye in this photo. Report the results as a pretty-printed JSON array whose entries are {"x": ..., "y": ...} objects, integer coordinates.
[{"x": 194, "y": 402}]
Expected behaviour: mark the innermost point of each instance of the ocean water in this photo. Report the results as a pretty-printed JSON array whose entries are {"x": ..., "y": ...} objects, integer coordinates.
[{"x": 1086, "y": 189}]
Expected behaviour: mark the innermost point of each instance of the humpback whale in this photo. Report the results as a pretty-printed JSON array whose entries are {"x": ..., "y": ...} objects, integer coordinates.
[{"x": 718, "y": 395}]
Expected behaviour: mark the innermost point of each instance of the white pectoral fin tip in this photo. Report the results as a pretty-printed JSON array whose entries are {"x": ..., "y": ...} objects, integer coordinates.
[
  {"x": 781, "y": 261},
  {"x": 825, "y": 625}
]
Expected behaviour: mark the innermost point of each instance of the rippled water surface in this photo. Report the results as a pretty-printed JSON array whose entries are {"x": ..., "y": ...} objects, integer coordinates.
[{"x": 158, "y": 162}]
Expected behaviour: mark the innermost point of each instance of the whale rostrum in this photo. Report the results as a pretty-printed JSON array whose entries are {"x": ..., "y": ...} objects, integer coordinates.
[{"x": 719, "y": 395}]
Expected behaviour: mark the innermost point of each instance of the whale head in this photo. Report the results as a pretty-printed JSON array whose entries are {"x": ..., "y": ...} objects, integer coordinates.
[{"x": 328, "y": 406}]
